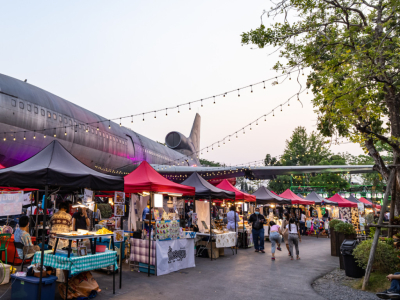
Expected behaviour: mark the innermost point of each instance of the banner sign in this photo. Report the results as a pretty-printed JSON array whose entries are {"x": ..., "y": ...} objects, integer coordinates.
[
  {"x": 174, "y": 255},
  {"x": 11, "y": 204}
]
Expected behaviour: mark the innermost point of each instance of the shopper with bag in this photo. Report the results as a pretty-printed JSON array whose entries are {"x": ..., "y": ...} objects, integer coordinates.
[{"x": 257, "y": 220}]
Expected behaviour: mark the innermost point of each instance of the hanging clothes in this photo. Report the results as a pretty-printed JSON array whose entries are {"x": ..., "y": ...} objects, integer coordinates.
[{"x": 345, "y": 213}]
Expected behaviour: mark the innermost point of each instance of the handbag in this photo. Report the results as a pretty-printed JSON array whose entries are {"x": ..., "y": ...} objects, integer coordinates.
[{"x": 257, "y": 224}]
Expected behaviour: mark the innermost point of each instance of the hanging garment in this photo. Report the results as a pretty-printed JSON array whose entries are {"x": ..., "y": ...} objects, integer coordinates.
[{"x": 345, "y": 213}]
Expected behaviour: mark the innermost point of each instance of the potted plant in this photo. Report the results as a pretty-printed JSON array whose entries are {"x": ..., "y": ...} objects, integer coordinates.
[{"x": 335, "y": 247}]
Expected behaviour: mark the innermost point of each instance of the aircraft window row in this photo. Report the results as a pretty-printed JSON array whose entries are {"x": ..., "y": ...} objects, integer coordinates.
[{"x": 43, "y": 113}]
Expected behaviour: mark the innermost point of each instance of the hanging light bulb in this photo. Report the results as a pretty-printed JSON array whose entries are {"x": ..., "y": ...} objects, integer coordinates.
[
  {"x": 34, "y": 134},
  {"x": 201, "y": 102},
  {"x": 55, "y": 132},
  {"x": 281, "y": 107},
  {"x": 190, "y": 106},
  {"x": 65, "y": 133},
  {"x": 76, "y": 128},
  {"x": 214, "y": 99},
  {"x": 264, "y": 84},
  {"x": 265, "y": 118},
  {"x": 251, "y": 88},
  {"x": 87, "y": 128},
  {"x": 288, "y": 104},
  {"x": 257, "y": 123},
  {"x": 143, "y": 117},
  {"x": 132, "y": 119},
  {"x": 24, "y": 135},
  {"x": 273, "y": 113},
  {"x": 178, "y": 109},
  {"x": 5, "y": 136},
  {"x": 238, "y": 93},
  {"x": 250, "y": 127},
  {"x": 155, "y": 117},
  {"x": 109, "y": 125},
  {"x": 97, "y": 126},
  {"x": 120, "y": 124},
  {"x": 290, "y": 76},
  {"x": 14, "y": 137}
]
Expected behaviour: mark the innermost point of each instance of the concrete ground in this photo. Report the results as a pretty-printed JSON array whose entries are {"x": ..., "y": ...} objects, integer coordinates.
[{"x": 247, "y": 275}]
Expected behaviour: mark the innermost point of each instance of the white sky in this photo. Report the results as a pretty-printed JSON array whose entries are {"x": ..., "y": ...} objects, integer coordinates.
[{"x": 124, "y": 57}]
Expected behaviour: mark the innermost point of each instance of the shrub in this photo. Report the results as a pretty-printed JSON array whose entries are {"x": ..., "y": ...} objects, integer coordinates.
[
  {"x": 105, "y": 210},
  {"x": 386, "y": 259},
  {"x": 369, "y": 218},
  {"x": 345, "y": 228},
  {"x": 333, "y": 222}
]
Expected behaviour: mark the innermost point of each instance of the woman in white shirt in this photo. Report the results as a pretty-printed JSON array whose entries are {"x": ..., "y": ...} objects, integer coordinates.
[
  {"x": 232, "y": 218},
  {"x": 294, "y": 237}
]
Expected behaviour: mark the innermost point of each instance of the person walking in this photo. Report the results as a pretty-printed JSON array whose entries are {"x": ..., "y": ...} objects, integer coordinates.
[
  {"x": 302, "y": 223},
  {"x": 294, "y": 237},
  {"x": 274, "y": 232},
  {"x": 257, "y": 221},
  {"x": 285, "y": 232}
]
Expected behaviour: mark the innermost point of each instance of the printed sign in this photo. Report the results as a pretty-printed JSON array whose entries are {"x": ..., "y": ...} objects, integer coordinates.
[
  {"x": 119, "y": 210},
  {"x": 11, "y": 204},
  {"x": 119, "y": 197},
  {"x": 87, "y": 196},
  {"x": 27, "y": 199},
  {"x": 174, "y": 255}
]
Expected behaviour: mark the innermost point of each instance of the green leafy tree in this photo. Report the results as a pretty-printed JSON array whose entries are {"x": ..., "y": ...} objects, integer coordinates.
[
  {"x": 269, "y": 160},
  {"x": 352, "y": 51},
  {"x": 210, "y": 163}
]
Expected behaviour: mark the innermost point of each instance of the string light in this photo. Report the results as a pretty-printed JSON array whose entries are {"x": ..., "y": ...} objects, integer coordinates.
[
  {"x": 24, "y": 135},
  {"x": 132, "y": 119},
  {"x": 190, "y": 107},
  {"x": 214, "y": 99},
  {"x": 251, "y": 88},
  {"x": 281, "y": 107},
  {"x": 5, "y": 136},
  {"x": 65, "y": 133},
  {"x": 238, "y": 93},
  {"x": 120, "y": 124},
  {"x": 55, "y": 133},
  {"x": 14, "y": 137},
  {"x": 143, "y": 117},
  {"x": 155, "y": 117},
  {"x": 264, "y": 84},
  {"x": 178, "y": 109},
  {"x": 97, "y": 126},
  {"x": 201, "y": 102},
  {"x": 273, "y": 113},
  {"x": 34, "y": 134},
  {"x": 109, "y": 125}
]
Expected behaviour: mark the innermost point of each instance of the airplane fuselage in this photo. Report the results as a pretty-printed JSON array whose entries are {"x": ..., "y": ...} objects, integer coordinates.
[{"x": 28, "y": 110}]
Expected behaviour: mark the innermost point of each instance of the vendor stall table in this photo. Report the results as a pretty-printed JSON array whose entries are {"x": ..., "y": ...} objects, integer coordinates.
[
  {"x": 166, "y": 256},
  {"x": 82, "y": 263},
  {"x": 223, "y": 240}
]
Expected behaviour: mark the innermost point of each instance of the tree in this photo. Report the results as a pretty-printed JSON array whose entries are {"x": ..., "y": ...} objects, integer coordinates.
[
  {"x": 209, "y": 163},
  {"x": 303, "y": 149},
  {"x": 352, "y": 49},
  {"x": 269, "y": 160}
]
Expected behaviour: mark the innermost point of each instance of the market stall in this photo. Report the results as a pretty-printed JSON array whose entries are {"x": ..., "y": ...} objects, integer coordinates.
[
  {"x": 270, "y": 201},
  {"x": 205, "y": 190},
  {"x": 55, "y": 167},
  {"x": 243, "y": 199},
  {"x": 169, "y": 257}
]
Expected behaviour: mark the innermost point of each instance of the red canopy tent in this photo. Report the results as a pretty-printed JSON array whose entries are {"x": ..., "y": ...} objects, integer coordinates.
[
  {"x": 145, "y": 179},
  {"x": 239, "y": 195},
  {"x": 2, "y": 167},
  {"x": 341, "y": 201},
  {"x": 363, "y": 200},
  {"x": 288, "y": 194}
]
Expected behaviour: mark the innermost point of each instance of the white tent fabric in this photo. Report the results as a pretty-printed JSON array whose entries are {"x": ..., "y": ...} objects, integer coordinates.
[{"x": 203, "y": 214}]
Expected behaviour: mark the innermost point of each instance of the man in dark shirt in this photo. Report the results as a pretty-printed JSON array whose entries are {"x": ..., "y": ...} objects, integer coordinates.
[
  {"x": 80, "y": 219},
  {"x": 257, "y": 221}
]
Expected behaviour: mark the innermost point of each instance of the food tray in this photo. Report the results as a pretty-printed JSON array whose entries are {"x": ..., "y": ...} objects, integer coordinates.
[{"x": 73, "y": 237}]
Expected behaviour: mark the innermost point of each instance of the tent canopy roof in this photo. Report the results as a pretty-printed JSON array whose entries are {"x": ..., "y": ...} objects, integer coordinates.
[
  {"x": 205, "y": 190},
  {"x": 288, "y": 194},
  {"x": 313, "y": 196},
  {"x": 265, "y": 196},
  {"x": 145, "y": 179},
  {"x": 55, "y": 166},
  {"x": 341, "y": 201},
  {"x": 239, "y": 195},
  {"x": 367, "y": 203}
]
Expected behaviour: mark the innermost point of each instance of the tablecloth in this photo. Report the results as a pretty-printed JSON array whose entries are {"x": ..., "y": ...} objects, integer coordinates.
[
  {"x": 221, "y": 240},
  {"x": 78, "y": 264},
  {"x": 140, "y": 251}
]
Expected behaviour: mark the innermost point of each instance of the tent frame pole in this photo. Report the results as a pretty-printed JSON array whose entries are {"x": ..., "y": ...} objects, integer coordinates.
[
  {"x": 236, "y": 229},
  {"x": 151, "y": 199},
  {"x": 211, "y": 247},
  {"x": 43, "y": 235},
  {"x": 37, "y": 216},
  {"x": 243, "y": 234}
]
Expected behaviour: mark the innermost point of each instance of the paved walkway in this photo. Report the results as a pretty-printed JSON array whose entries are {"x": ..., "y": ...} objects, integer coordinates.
[{"x": 248, "y": 275}]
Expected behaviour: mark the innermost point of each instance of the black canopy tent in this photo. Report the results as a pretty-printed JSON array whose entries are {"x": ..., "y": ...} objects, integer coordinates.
[
  {"x": 55, "y": 166},
  {"x": 265, "y": 196},
  {"x": 313, "y": 196},
  {"x": 205, "y": 190}
]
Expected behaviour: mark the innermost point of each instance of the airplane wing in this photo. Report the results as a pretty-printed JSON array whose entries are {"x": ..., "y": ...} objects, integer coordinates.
[{"x": 269, "y": 172}]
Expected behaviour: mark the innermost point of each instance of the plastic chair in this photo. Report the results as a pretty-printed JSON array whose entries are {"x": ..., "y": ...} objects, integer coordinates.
[
  {"x": 4, "y": 241},
  {"x": 27, "y": 257}
]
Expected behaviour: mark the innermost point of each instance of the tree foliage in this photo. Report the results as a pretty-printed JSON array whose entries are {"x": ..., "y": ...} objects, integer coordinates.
[{"x": 352, "y": 49}]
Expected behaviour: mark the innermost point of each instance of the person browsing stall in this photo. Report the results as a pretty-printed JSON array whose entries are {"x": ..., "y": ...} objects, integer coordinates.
[
  {"x": 21, "y": 235},
  {"x": 60, "y": 222},
  {"x": 394, "y": 291},
  {"x": 80, "y": 219},
  {"x": 232, "y": 218},
  {"x": 257, "y": 221}
]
